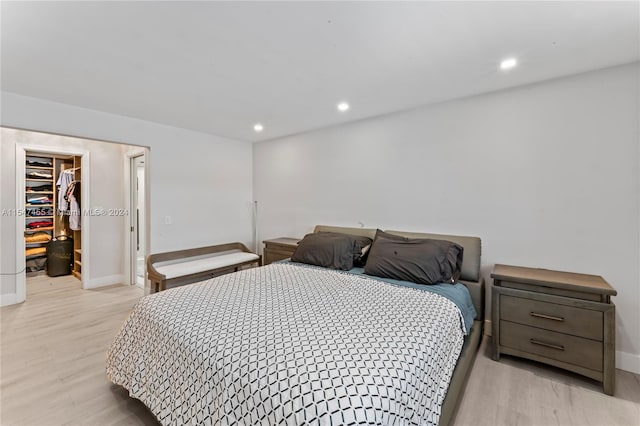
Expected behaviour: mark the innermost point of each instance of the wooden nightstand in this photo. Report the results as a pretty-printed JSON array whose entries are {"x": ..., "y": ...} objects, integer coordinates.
[
  {"x": 559, "y": 318},
  {"x": 278, "y": 249}
]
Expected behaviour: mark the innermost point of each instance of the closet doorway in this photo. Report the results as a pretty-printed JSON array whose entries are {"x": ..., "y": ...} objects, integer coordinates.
[{"x": 38, "y": 169}]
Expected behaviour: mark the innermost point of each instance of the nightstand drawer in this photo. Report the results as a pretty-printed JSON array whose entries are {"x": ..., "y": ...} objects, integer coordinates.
[
  {"x": 561, "y": 347},
  {"x": 552, "y": 316},
  {"x": 271, "y": 256}
]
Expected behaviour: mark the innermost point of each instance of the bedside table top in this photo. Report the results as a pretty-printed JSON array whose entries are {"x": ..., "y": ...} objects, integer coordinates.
[
  {"x": 558, "y": 279},
  {"x": 287, "y": 241}
]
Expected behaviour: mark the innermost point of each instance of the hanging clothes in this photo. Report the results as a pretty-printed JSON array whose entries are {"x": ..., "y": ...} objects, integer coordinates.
[
  {"x": 73, "y": 197},
  {"x": 65, "y": 178}
]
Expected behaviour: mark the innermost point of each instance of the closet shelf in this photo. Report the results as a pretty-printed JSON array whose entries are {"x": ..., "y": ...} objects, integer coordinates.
[
  {"x": 39, "y": 192},
  {"x": 78, "y": 251},
  {"x": 39, "y": 217},
  {"x": 78, "y": 262},
  {"x": 38, "y": 205},
  {"x": 39, "y": 167}
]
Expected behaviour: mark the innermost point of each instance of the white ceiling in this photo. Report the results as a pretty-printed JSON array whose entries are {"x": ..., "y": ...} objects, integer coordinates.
[{"x": 221, "y": 67}]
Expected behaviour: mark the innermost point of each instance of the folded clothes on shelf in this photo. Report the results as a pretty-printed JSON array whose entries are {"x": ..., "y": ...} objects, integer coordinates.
[
  {"x": 36, "y": 263},
  {"x": 35, "y": 251},
  {"x": 38, "y": 237},
  {"x": 39, "y": 163},
  {"x": 39, "y": 211},
  {"x": 40, "y": 224},
  {"x": 40, "y": 188},
  {"x": 39, "y": 175},
  {"x": 43, "y": 199}
]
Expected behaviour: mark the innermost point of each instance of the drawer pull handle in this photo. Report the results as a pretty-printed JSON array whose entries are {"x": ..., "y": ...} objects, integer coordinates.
[
  {"x": 548, "y": 345},
  {"x": 549, "y": 317}
]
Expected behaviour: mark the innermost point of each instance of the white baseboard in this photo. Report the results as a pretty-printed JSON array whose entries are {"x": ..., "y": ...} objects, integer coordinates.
[
  {"x": 104, "y": 281},
  {"x": 624, "y": 361},
  {"x": 8, "y": 299},
  {"x": 628, "y": 362}
]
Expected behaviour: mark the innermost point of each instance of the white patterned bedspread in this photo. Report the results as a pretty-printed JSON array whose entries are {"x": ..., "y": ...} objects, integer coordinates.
[{"x": 286, "y": 344}]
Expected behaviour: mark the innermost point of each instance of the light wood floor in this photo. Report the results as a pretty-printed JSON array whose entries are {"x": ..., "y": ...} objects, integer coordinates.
[
  {"x": 516, "y": 391},
  {"x": 53, "y": 352},
  {"x": 53, "y": 356}
]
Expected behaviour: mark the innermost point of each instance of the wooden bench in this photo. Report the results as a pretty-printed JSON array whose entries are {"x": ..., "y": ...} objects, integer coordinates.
[{"x": 198, "y": 264}]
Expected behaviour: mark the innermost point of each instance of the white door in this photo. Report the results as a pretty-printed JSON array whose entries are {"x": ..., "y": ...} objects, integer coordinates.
[{"x": 137, "y": 216}]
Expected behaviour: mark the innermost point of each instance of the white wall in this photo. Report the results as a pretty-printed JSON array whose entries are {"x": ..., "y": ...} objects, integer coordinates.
[
  {"x": 202, "y": 181},
  {"x": 546, "y": 174}
]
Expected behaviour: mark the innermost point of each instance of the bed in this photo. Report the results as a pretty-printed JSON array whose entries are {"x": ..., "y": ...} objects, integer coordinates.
[{"x": 290, "y": 343}]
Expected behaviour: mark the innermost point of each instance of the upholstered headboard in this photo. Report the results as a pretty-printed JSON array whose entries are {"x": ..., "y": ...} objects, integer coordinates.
[
  {"x": 470, "y": 271},
  {"x": 364, "y": 232}
]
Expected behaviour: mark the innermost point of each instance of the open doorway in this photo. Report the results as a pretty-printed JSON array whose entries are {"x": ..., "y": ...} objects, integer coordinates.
[
  {"x": 48, "y": 236},
  {"x": 137, "y": 227},
  {"x": 138, "y": 214}
]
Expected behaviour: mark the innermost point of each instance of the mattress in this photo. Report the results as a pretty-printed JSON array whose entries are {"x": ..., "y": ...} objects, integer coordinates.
[{"x": 288, "y": 344}]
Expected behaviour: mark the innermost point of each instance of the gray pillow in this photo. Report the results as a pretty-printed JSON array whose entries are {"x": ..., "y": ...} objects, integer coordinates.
[
  {"x": 331, "y": 250},
  {"x": 419, "y": 260}
]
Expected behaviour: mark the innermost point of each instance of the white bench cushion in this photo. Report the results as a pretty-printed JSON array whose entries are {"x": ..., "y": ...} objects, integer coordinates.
[{"x": 189, "y": 267}]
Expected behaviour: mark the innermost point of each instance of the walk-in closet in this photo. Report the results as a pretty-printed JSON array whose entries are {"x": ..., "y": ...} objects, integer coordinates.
[{"x": 53, "y": 203}]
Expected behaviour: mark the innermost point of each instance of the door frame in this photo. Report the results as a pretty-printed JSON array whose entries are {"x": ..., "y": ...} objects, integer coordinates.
[
  {"x": 21, "y": 263},
  {"x": 129, "y": 270}
]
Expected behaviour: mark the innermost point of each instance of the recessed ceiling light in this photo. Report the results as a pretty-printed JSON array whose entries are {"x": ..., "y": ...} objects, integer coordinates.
[
  {"x": 508, "y": 63},
  {"x": 258, "y": 127},
  {"x": 343, "y": 106}
]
